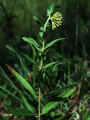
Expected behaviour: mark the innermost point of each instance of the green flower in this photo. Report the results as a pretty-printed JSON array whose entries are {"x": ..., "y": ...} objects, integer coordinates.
[{"x": 56, "y": 20}]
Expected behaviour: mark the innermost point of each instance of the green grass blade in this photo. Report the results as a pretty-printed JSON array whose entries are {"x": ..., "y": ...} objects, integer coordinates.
[
  {"x": 9, "y": 93},
  {"x": 20, "y": 112},
  {"x": 7, "y": 78},
  {"x": 11, "y": 49},
  {"x": 23, "y": 82},
  {"x": 27, "y": 105},
  {"x": 53, "y": 42},
  {"x": 67, "y": 93},
  {"x": 49, "y": 65},
  {"x": 49, "y": 106},
  {"x": 31, "y": 41},
  {"x": 29, "y": 59}
]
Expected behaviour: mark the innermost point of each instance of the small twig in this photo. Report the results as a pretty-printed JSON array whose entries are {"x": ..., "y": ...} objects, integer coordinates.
[{"x": 39, "y": 105}]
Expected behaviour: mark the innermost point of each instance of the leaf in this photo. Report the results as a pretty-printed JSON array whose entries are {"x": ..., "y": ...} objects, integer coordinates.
[
  {"x": 52, "y": 114},
  {"x": 50, "y": 9},
  {"x": 29, "y": 59},
  {"x": 49, "y": 106},
  {"x": 2, "y": 95},
  {"x": 67, "y": 93},
  {"x": 88, "y": 118},
  {"x": 49, "y": 65},
  {"x": 23, "y": 82},
  {"x": 31, "y": 41},
  {"x": 28, "y": 106},
  {"x": 24, "y": 67},
  {"x": 36, "y": 18},
  {"x": 53, "y": 42},
  {"x": 20, "y": 112},
  {"x": 8, "y": 79},
  {"x": 41, "y": 34},
  {"x": 11, "y": 49},
  {"x": 9, "y": 93}
]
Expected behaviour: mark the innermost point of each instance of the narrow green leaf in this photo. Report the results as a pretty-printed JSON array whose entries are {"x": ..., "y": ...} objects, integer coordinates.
[
  {"x": 50, "y": 9},
  {"x": 7, "y": 78},
  {"x": 23, "y": 82},
  {"x": 2, "y": 95},
  {"x": 67, "y": 93},
  {"x": 29, "y": 59},
  {"x": 31, "y": 41},
  {"x": 9, "y": 93},
  {"x": 28, "y": 106},
  {"x": 53, "y": 42},
  {"x": 11, "y": 49},
  {"x": 36, "y": 18},
  {"x": 20, "y": 112},
  {"x": 49, "y": 65},
  {"x": 41, "y": 34},
  {"x": 24, "y": 67},
  {"x": 49, "y": 106}
]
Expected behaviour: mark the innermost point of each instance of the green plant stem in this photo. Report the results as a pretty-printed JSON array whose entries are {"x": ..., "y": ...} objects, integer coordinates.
[
  {"x": 41, "y": 59},
  {"x": 46, "y": 23},
  {"x": 34, "y": 67}
]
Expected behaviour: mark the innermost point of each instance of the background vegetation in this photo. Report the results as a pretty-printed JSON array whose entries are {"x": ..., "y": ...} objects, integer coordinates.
[{"x": 44, "y": 72}]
